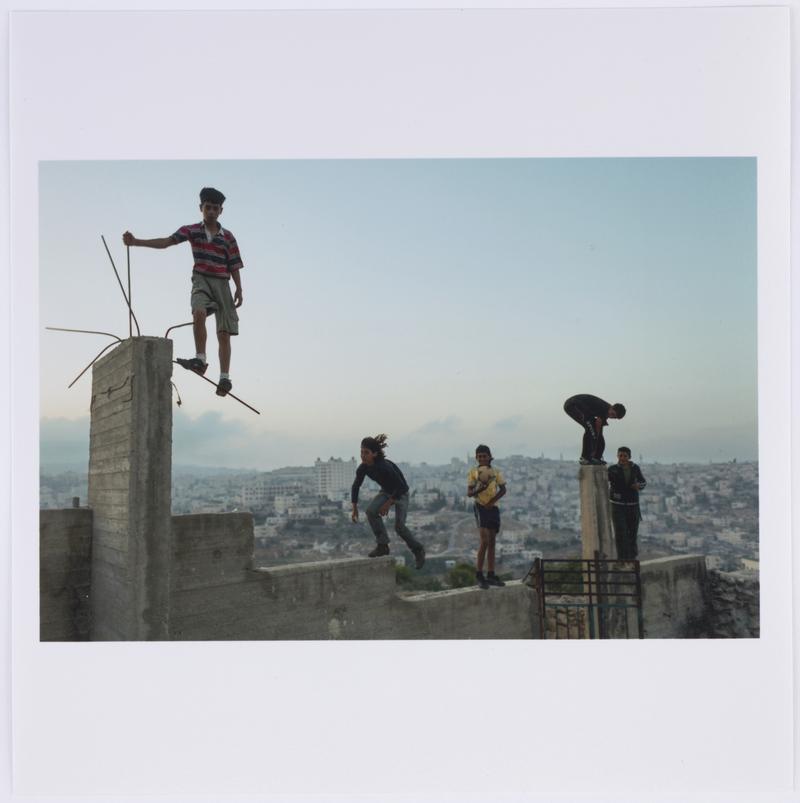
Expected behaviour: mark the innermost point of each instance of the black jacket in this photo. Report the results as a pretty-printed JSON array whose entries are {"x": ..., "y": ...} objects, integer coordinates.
[
  {"x": 619, "y": 492},
  {"x": 385, "y": 473}
]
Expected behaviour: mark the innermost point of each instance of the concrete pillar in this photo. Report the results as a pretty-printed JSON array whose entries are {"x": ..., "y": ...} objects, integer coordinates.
[
  {"x": 130, "y": 489},
  {"x": 597, "y": 534}
]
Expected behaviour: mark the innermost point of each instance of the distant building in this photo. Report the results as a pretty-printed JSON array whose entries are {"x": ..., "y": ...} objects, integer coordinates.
[
  {"x": 334, "y": 477},
  {"x": 261, "y": 493}
]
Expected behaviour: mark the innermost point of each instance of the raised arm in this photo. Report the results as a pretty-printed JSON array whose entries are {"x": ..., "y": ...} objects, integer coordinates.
[{"x": 158, "y": 242}]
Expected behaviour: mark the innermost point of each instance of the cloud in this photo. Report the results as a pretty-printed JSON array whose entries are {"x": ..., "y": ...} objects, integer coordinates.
[
  {"x": 510, "y": 424},
  {"x": 449, "y": 425}
]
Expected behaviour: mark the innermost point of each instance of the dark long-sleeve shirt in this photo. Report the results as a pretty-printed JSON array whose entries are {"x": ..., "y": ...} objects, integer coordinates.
[{"x": 385, "y": 473}]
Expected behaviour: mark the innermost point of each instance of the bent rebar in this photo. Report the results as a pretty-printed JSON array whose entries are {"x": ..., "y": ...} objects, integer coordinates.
[
  {"x": 177, "y": 326},
  {"x": 90, "y": 364},
  {"x": 212, "y": 382},
  {"x": 124, "y": 294}
]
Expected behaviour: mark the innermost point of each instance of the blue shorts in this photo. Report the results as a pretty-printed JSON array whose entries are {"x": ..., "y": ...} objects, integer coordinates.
[{"x": 488, "y": 517}]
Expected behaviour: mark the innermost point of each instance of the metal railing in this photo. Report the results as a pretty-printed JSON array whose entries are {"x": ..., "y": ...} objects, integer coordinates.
[{"x": 588, "y": 598}]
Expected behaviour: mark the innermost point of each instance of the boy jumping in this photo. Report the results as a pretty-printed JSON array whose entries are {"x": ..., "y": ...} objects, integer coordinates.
[
  {"x": 393, "y": 491},
  {"x": 216, "y": 259}
]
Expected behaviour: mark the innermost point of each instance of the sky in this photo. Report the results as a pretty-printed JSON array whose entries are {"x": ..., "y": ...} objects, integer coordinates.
[{"x": 446, "y": 302}]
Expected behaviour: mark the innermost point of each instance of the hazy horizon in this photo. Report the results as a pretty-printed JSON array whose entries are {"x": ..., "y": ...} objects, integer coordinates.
[{"x": 66, "y": 442}]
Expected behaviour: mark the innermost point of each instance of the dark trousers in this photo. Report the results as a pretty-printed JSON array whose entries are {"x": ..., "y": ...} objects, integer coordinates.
[
  {"x": 626, "y": 527},
  {"x": 400, "y": 512},
  {"x": 594, "y": 443}
]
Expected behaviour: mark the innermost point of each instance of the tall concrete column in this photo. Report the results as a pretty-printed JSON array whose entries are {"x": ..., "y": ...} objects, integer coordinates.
[
  {"x": 597, "y": 533},
  {"x": 130, "y": 489}
]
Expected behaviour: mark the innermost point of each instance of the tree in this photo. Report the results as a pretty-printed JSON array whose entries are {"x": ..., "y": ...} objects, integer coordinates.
[
  {"x": 461, "y": 576},
  {"x": 402, "y": 575},
  {"x": 437, "y": 504}
]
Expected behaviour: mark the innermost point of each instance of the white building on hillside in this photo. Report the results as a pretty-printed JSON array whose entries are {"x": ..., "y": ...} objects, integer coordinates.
[{"x": 334, "y": 477}]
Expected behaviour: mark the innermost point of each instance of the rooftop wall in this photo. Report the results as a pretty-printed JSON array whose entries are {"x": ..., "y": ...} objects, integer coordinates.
[
  {"x": 217, "y": 594},
  {"x": 735, "y": 606},
  {"x": 675, "y": 598},
  {"x": 65, "y": 552}
]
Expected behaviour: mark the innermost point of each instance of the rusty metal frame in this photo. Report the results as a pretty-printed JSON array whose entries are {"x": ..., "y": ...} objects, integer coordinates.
[{"x": 605, "y": 585}]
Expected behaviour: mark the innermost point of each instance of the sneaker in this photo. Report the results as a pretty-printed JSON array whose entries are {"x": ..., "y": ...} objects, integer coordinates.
[
  {"x": 584, "y": 461},
  {"x": 419, "y": 554},
  {"x": 224, "y": 387},
  {"x": 380, "y": 550},
  {"x": 195, "y": 364},
  {"x": 596, "y": 461},
  {"x": 481, "y": 580},
  {"x": 493, "y": 580}
]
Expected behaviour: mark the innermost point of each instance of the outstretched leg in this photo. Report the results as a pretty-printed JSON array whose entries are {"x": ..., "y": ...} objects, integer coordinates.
[
  {"x": 224, "y": 340},
  {"x": 400, "y": 514},
  {"x": 199, "y": 328},
  {"x": 376, "y": 520}
]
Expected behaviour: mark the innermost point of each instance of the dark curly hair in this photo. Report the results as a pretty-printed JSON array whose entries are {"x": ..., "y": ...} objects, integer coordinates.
[{"x": 376, "y": 444}]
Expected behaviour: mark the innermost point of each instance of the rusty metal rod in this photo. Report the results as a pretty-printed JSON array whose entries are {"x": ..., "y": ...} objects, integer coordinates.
[
  {"x": 83, "y": 331},
  {"x": 212, "y": 382},
  {"x": 130, "y": 296},
  {"x": 86, "y": 332},
  {"x": 91, "y": 364},
  {"x": 177, "y": 326},
  {"x": 124, "y": 295}
]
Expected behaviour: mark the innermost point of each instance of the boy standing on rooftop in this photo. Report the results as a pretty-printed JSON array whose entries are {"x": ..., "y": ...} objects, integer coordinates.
[
  {"x": 486, "y": 485},
  {"x": 216, "y": 260}
]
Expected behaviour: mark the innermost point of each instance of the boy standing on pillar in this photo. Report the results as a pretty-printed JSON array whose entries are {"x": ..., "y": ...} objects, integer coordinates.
[
  {"x": 626, "y": 480},
  {"x": 216, "y": 260}
]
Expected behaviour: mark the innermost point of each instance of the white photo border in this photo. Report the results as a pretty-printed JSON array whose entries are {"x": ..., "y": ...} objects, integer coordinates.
[{"x": 280, "y": 719}]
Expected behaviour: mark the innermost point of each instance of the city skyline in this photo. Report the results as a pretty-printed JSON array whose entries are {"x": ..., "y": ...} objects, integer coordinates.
[{"x": 446, "y": 302}]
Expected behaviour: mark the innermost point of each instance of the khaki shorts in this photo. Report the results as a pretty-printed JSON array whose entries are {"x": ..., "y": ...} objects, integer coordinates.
[{"x": 213, "y": 295}]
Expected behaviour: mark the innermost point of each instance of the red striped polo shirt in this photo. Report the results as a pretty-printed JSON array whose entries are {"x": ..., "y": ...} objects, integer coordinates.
[{"x": 217, "y": 257}]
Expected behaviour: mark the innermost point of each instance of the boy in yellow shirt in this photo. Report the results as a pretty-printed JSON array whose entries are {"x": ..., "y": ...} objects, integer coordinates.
[{"x": 486, "y": 485}]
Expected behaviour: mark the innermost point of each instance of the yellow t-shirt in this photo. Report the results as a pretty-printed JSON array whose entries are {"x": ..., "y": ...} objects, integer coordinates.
[{"x": 491, "y": 489}]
